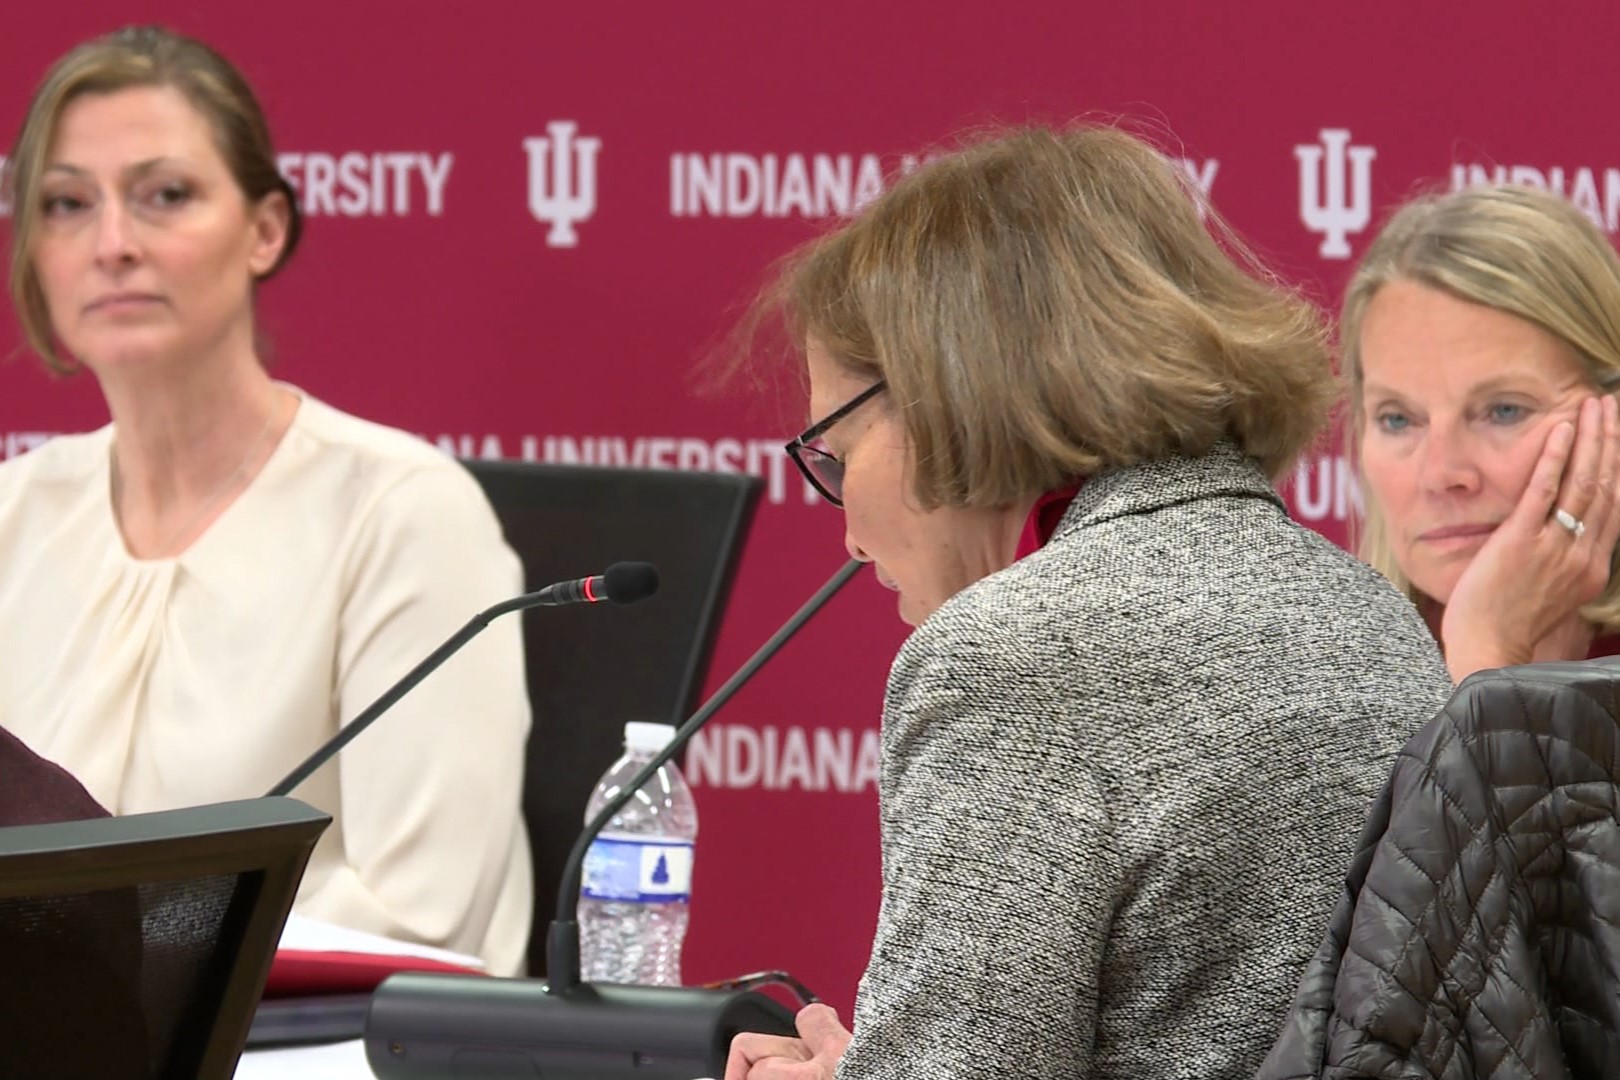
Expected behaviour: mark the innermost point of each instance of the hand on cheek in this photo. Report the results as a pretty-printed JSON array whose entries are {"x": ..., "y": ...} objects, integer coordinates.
[{"x": 1520, "y": 596}]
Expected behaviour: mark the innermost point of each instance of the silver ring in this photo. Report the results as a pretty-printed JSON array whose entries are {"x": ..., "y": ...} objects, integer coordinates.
[{"x": 1569, "y": 521}]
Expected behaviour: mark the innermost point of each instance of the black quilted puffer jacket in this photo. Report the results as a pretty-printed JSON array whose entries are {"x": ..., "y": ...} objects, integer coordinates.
[{"x": 1479, "y": 935}]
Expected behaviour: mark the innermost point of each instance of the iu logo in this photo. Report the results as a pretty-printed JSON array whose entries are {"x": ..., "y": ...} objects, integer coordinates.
[
  {"x": 1324, "y": 205},
  {"x": 562, "y": 180}
]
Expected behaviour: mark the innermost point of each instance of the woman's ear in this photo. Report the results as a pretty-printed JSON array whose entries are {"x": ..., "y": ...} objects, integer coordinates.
[{"x": 271, "y": 220}]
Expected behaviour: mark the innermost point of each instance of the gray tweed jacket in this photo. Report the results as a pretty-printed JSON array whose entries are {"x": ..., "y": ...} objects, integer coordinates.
[{"x": 1122, "y": 780}]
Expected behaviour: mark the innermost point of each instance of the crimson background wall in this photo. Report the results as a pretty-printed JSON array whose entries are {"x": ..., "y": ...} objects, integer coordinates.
[{"x": 437, "y": 291}]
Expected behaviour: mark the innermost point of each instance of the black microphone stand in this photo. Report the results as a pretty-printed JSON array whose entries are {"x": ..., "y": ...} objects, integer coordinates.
[
  {"x": 635, "y": 582},
  {"x": 562, "y": 938},
  {"x": 423, "y": 1026},
  {"x": 369, "y": 715}
]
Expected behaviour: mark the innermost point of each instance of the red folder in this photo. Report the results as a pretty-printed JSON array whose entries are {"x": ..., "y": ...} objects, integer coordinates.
[{"x": 306, "y": 973}]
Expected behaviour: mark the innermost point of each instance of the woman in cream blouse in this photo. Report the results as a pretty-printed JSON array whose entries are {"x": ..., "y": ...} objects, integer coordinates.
[{"x": 198, "y": 594}]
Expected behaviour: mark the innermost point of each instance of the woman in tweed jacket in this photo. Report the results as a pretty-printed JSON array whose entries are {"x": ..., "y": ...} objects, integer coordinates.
[{"x": 1129, "y": 746}]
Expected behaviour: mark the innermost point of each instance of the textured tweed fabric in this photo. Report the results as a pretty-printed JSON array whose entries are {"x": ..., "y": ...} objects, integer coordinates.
[{"x": 1122, "y": 782}]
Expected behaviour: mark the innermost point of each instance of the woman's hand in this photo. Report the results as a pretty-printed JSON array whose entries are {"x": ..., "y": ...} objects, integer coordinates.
[
  {"x": 1519, "y": 600},
  {"x": 814, "y": 1055}
]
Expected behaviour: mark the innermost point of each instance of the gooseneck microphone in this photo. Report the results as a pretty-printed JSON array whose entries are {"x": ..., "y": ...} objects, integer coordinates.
[
  {"x": 426, "y": 1025},
  {"x": 623, "y": 583}
]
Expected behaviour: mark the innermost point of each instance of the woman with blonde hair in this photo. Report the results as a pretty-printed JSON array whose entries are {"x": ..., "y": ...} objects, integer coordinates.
[
  {"x": 1481, "y": 335},
  {"x": 201, "y": 592},
  {"x": 1129, "y": 744}
]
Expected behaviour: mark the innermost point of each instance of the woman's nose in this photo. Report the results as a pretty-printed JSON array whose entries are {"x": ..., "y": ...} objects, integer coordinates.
[
  {"x": 115, "y": 239},
  {"x": 854, "y": 549},
  {"x": 1448, "y": 462}
]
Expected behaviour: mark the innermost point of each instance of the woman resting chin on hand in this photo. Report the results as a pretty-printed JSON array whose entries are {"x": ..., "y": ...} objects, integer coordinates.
[{"x": 1480, "y": 332}]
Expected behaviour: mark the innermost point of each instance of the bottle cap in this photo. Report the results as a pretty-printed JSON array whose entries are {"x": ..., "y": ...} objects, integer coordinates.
[{"x": 648, "y": 738}]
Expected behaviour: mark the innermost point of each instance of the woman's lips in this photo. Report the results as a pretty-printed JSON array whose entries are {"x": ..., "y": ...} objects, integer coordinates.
[{"x": 1452, "y": 533}]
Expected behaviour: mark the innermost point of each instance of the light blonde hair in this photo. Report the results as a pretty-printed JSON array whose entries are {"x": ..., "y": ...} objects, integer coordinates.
[
  {"x": 1512, "y": 248},
  {"x": 134, "y": 56},
  {"x": 1047, "y": 304}
]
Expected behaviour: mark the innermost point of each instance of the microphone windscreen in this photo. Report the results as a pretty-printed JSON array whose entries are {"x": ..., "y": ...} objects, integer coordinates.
[{"x": 630, "y": 582}]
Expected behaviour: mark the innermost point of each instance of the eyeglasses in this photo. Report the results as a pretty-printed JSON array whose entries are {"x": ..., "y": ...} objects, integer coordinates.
[
  {"x": 767, "y": 978},
  {"x": 825, "y": 471}
]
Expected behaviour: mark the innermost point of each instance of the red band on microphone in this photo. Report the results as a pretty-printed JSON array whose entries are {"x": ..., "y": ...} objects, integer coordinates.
[{"x": 590, "y": 592}]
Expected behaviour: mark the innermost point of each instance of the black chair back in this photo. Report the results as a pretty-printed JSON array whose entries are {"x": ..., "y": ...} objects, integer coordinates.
[
  {"x": 137, "y": 947},
  {"x": 591, "y": 670}
]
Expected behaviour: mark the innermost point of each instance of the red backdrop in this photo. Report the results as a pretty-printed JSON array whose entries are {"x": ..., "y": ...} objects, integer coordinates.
[{"x": 436, "y": 291}]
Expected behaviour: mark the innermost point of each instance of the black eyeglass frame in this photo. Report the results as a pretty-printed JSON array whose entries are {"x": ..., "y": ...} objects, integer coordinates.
[{"x": 801, "y": 445}]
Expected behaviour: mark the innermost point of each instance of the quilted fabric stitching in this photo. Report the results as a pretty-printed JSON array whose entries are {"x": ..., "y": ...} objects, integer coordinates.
[
  {"x": 1433, "y": 780},
  {"x": 1514, "y": 1045},
  {"x": 1531, "y": 844}
]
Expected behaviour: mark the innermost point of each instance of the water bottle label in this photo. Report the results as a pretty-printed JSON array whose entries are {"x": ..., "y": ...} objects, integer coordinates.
[{"x": 645, "y": 870}]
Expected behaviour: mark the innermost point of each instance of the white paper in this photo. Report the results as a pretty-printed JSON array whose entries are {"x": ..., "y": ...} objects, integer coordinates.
[
  {"x": 312, "y": 935},
  {"x": 334, "y": 1061}
]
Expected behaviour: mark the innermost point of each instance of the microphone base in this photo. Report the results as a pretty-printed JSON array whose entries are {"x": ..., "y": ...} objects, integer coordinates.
[{"x": 427, "y": 1025}]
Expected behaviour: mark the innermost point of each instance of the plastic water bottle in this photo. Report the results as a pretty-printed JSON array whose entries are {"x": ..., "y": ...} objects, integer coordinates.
[{"x": 636, "y": 889}]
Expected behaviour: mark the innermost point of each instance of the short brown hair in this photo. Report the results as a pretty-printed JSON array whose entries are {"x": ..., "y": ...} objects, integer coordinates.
[
  {"x": 135, "y": 56},
  {"x": 1046, "y": 304},
  {"x": 1508, "y": 247}
]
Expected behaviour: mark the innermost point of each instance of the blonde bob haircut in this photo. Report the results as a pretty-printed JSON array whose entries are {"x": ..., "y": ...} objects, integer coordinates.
[
  {"x": 134, "y": 56},
  {"x": 1047, "y": 304},
  {"x": 1512, "y": 248}
]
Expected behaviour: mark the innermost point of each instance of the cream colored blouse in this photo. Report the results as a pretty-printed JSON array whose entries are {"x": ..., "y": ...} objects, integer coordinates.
[{"x": 163, "y": 683}]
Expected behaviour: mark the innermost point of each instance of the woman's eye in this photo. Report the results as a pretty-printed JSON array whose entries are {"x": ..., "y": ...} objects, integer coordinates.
[
  {"x": 1503, "y": 413},
  {"x": 1393, "y": 423},
  {"x": 171, "y": 195},
  {"x": 59, "y": 205}
]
